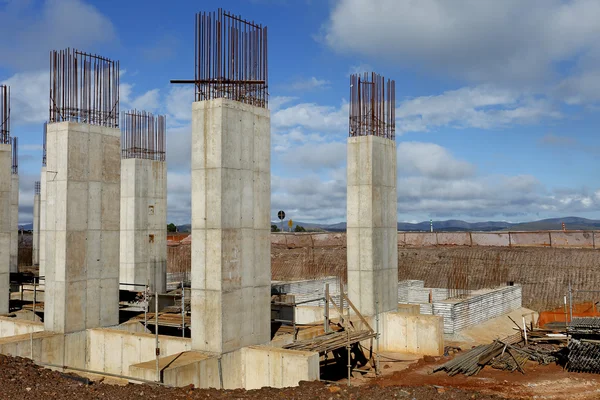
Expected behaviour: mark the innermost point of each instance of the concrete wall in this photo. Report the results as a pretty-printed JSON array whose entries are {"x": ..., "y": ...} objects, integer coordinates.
[
  {"x": 372, "y": 224},
  {"x": 14, "y": 326},
  {"x": 82, "y": 227},
  {"x": 5, "y": 183},
  {"x": 114, "y": 351},
  {"x": 42, "y": 251},
  {"x": 562, "y": 239},
  {"x": 14, "y": 223},
  {"x": 36, "y": 230},
  {"x": 270, "y": 366},
  {"x": 248, "y": 368},
  {"x": 417, "y": 334},
  {"x": 231, "y": 192},
  {"x": 143, "y": 251}
]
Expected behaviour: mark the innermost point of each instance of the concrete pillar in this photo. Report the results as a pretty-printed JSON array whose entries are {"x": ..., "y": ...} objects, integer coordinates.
[
  {"x": 42, "y": 251},
  {"x": 231, "y": 248},
  {"x": 14, "y": 223},
  {"x": 36, "y": 230},
  {"x": 372, "y": 222},
  {"x": 82, "y": 227},
  {"x": 5, "y": 195},
  {"x": 143, "y": 224}
]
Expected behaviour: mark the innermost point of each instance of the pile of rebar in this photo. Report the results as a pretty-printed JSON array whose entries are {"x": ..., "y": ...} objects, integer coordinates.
[
  {"x": 506, "y": 355},
  {"x": 584, "y": 356},
  {"x": 584, "y": 325},
  {"x": 331, "y": 341}
]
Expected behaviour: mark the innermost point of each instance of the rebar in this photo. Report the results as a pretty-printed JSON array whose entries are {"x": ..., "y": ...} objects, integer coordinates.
[
  {"x": 37, "y": 187},
  {"x": 143, "y": 135},
  {"x": 84, "y": 88},
  {"x": 230, "y": 59},
  {"x": 4, "y": 114},
  {"x": 15, "y": 155},
  {"x": 372, "y": 106},
  {"x": 44, "y": 137}
]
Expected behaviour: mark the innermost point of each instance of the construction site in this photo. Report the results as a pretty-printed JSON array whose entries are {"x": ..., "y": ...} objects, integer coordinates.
[{"x": 104, "y": 303}]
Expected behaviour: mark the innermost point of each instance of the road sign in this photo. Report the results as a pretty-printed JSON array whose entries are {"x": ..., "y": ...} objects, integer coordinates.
[
  {"x": 281, "y": 215},
  {"x": 290, "y": 223}
]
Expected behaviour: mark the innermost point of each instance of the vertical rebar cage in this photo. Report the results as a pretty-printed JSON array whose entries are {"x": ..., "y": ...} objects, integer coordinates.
[
  {"x": 15, "y": 155},
  {"x": 38, "y": 187},
  {"x": 372, "y": 106},
  {"x": 143, "y": 135},
  {"x": 84, "y": 88},
  {"x": 231, "y": 59},
  {"x": 4, "y": 114}
]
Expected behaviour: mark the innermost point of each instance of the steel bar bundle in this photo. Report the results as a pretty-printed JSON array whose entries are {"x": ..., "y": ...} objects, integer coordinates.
[
  {"x": 84, "y": 88},
  {"x": 583, "y": 357},
  {"x": 4, "y": 114},
  {"x": 38, "y": 187},
  {"x": 230, "y": 59},
  {"x": 143, "y": 135},
  {"x": 584, "y": 325},
  {"x": 372, "y": 106},
  {"x": 331, "y": 341},
  {"x": 15, "y": 155},
  {"x": 44, "y": 136}
]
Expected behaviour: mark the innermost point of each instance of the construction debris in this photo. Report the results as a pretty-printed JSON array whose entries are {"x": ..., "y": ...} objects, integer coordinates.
[{"x": 509, "y": 354}]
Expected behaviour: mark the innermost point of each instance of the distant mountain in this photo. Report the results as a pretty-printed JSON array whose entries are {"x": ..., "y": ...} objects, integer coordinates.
[
  {"x": 572, "y": 223},
  {"x": 452, "y": 225}
]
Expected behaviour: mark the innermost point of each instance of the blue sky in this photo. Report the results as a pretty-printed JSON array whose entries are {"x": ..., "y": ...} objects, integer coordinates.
[{"x": 497, "y": 101}]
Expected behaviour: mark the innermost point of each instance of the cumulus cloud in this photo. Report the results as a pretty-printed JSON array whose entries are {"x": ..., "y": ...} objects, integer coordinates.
[
  {"x": 312, "y": 116},
  {"x": 29, "y": 97},
  {"x": 311, "y": 83},
  {"x": 472, "y": 39},
  {"x": 431, "y": 160},
  {"x": 56, "y": 24},
  {"x": 482, "y": 106}
]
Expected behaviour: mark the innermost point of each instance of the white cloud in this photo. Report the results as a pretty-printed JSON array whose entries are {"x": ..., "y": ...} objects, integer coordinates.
[
  {"x": 179, "y": 102},
  {"x": 480, "y": 40},
  {"x": 312, "y": 116},
  {"x": 34, "y": 30},
  {"x": 311, "y": 83},
  {"x": 29, "y": 97},
  {"x": 431, "y": 160},
  {"x": 482, "y": 106}
]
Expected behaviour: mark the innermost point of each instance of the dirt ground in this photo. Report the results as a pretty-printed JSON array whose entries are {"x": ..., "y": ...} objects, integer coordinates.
[
  {"x": 540, "y": 382},
  {"x": 21, "y": 379}
]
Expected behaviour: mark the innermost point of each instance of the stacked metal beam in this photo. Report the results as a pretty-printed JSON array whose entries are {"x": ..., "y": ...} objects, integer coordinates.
[{"x": 583, "y": 357}]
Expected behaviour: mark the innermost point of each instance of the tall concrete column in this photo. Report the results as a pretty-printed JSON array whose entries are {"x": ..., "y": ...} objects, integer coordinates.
[
  {"x": 82, "y": 227},
  {"x": 14, "y": 223},
  {"x": 42, "y": 251},
  {"x": 5, "y": 226},
  {"x": 372, "y": 222},
  {"x": 143, "y": 224},
  {"x": 36, "y": 227},
  {"x": 231, "y": 201}
]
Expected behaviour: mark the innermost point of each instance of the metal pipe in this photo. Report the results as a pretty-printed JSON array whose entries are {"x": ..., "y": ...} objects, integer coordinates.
[{"x": 377, "y": 337}]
